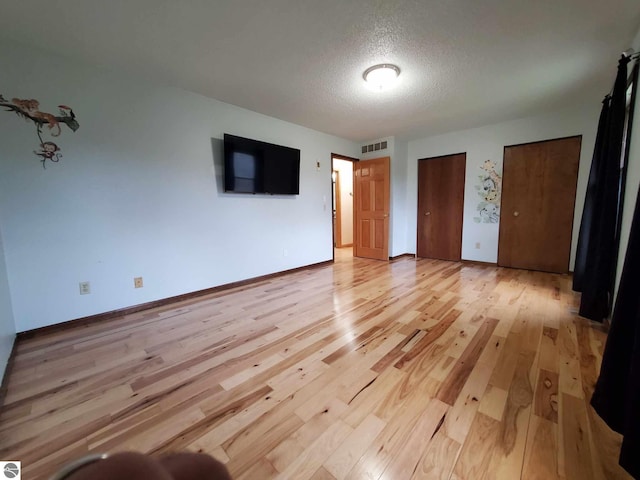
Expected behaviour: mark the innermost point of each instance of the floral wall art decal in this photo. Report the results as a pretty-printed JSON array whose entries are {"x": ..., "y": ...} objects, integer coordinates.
[
  {"x": 29, "y": 109},
  {"x": 489, "y": 189}
]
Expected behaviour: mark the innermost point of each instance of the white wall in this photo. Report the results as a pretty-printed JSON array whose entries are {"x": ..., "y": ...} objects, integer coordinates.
[
  {"x": 400, "y": 195},
  {"x": 487, "y": 143},
  {"x": 345, "y": 172},
  {"x": 138, "y": 193},
  {"x": 633, "y": 179},
  {"x": 7, "y": 325}
]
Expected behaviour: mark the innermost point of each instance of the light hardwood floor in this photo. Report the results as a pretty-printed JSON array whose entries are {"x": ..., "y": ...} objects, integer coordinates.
[{"x": 418, "y": 369}]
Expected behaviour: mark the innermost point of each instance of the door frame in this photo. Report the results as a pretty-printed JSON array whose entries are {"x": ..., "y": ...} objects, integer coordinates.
[{"x": 337, "y": 156}]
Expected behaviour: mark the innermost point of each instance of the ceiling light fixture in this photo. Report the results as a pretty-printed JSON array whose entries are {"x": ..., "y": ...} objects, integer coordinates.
[{"x": 380, "y": 77}]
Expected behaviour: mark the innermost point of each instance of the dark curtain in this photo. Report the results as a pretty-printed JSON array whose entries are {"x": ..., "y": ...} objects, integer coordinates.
[
  {"x": 597, "y": 276},
  {"x": 587, "y": 212},
  {"x": 617, "y": 394}
]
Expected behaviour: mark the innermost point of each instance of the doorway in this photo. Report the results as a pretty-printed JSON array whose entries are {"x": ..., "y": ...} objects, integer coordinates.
[
  {"x": 342, "y": 205},
  {"x": 538, "y": 199},
  {"x": 441, "y": 206}
]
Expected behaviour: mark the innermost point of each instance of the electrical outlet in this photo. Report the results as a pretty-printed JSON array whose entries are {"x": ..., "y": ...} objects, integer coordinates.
[
  {"x": 137, "y": 282},
  {"x": 477, "y": 244},
  {"x": 85, "y": 288},
  {"x": 285, "y": 252}
]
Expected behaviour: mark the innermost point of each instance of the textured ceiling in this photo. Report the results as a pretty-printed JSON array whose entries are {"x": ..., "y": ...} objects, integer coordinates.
[{"x": 464, "y": 62}]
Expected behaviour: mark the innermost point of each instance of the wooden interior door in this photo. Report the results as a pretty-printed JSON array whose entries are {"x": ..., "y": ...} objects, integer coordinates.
[
  {"x": 441, "y": 206},
  {"x": 538, "y": 199},
  {"x": 371, "y": 215}
]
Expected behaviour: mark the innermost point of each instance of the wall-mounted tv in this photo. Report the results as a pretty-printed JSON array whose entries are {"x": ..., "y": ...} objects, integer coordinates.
[{"x": 251, "y": 166}]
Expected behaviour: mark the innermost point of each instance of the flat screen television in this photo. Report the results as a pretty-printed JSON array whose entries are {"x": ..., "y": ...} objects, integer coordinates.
[{"x": 251, "y": 166}]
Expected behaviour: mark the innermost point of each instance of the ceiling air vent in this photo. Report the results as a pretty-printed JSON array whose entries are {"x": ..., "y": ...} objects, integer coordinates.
[{"x": 374, "y": 147}]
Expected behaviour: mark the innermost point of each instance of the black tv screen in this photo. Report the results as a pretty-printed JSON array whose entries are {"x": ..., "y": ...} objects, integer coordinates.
[{"x": 251, "y": 166}]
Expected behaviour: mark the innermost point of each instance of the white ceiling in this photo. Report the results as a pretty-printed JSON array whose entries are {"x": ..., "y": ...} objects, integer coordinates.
[{"x": 464, "y": 62}]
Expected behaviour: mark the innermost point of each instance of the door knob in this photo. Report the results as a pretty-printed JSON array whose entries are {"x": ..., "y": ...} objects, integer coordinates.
[
  {"x": 427, "y": 213},
  {"x": 515, "y": 214},
  {"x": 386, "y": 215}
]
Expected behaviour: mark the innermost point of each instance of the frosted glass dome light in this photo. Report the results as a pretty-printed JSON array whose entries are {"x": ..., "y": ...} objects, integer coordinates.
[{"x": 381, "y": 77}]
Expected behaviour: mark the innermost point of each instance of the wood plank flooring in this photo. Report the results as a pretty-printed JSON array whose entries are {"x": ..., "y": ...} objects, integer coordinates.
[{"x": 415, "y": 369}]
